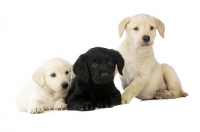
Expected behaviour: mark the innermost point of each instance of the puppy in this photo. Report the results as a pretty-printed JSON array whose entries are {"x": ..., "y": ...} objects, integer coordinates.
[
  {"x": 93, "y": 85},
  {"x": 144, "y": 77},
  {"x": 46, "y": 90}
]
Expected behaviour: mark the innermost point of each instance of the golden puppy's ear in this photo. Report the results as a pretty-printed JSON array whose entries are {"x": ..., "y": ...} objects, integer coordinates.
[
  {"x": 122, "y": 25},
  {"x": 38, "y": 76},
  {"x": 160, "y": 26}
]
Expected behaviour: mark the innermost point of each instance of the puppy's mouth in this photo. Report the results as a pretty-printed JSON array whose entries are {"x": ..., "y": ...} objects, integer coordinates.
[
  {"x": 146, "y": 44},
  {"x": 104, "y": 82},
  {"x": 59, "y": 89}
]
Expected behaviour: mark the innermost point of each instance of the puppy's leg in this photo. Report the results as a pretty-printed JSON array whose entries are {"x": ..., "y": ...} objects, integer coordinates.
[
  {"x": 105, "y": 103},
  {"x": 116, "y": 98},
  {"x": 35, "y": 107},
  {"x": 110, "y": 100},
  {"x": 173, "y": 84},
  {"x": 60, "y": 104},
  {"x": 78, "y": 102},
  {"x": 134, "y": 88}
]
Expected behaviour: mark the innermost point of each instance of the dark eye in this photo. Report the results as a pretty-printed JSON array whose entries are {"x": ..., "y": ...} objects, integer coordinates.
[
  {"x": 66, "y": 72},
  {"x": 151, "y": 28},
  {"x": 135, "y": 28},
  {"x": 53, "y": 75},
  {"x": 110, "y": 62},
  {"x": 94, "y": 64}
]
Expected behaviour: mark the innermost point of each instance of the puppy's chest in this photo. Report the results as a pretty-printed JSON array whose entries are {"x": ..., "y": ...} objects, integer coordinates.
[
  {"x": 52, "y": 98},
  {"x": 94, "y": 93},
  {"x": 131, "y": 67}
]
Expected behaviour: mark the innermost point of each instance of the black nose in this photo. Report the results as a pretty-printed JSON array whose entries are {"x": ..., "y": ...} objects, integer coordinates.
[
  {"x": 146, "y": 38},
  {"x": 64, "y": 85},
  {"x": 104, "y": 75}
]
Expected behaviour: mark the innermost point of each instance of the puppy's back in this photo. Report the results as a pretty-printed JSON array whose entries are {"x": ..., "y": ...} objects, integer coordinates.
[{"x": 24, "y": 95}]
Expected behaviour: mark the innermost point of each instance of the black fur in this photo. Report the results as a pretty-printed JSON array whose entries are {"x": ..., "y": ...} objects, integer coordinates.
[{"x": 93, "y": 85}]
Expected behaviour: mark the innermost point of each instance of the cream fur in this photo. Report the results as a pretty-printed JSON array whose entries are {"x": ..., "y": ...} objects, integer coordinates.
[
  {"x": 143, "y": 77},
  {"x": 44, "y": 92}
]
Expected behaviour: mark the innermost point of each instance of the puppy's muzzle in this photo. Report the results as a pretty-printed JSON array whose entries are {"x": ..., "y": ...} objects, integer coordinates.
[
  {"x": 104, "y": 75},
  {"x": 64, "y": 85},
  {"x": 146, "y": 39}
]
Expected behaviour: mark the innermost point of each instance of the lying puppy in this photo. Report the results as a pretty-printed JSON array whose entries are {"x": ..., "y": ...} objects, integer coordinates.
[
  {"x": 93, "y": 85},
  {"x": 46, "y": 90},
  {"x": 144, "y": 77}
]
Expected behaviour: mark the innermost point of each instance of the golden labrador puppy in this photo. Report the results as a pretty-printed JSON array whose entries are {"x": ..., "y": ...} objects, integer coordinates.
[{"x": 143, "y": 77}]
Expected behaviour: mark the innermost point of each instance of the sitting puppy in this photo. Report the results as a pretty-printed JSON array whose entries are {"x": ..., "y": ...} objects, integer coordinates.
[
  {"x": 93, "y": 85},
  {"x": 144, "y": 77},
  {"x": 46, "y": 90}
]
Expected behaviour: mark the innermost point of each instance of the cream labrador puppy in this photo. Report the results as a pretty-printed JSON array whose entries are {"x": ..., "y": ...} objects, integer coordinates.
[
  {"x": 143, "y": 77},
  {"x": 46, "y": 90}
]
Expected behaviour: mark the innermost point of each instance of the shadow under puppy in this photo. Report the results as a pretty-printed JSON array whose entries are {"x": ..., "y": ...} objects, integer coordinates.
[
  {"x": 93, "y": 85},
  {"x": 48, "y": 87}
]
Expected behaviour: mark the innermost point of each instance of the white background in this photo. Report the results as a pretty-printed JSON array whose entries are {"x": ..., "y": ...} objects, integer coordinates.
[{"x": 33, "y": 31}]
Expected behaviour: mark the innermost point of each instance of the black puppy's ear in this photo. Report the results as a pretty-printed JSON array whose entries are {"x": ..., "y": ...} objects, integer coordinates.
[
  {"x": 119, "y": 61},
  {"x": 80, "y": 68}
]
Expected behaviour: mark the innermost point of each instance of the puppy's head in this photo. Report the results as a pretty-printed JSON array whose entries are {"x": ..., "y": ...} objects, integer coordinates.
[
  {"x": 141, "y": 29},
  {"x": 55, "y": 74},
  {"x": 98, "y": 65}
]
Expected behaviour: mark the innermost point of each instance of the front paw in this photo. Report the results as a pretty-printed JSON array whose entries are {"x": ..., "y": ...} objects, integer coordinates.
[
  {"x": 60, "y": 106},
  {"x": 36, "y": 110},
  {"x": 104, "y": 104},
  {"x": 126, "y": 99},
  {"x": 87, "y": 106}
]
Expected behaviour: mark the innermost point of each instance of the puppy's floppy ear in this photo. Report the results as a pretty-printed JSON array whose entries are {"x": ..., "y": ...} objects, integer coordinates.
[
  {"x": 38, "y": 76},
  {"x": 160, "y": 26},
  {"x": 122, "y": 25},
  {"x": 80, "y": 68},
  {"x": 119, "y": 61}
]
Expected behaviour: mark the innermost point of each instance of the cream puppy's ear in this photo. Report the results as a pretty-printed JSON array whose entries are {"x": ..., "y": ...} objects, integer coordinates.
[
  {"x": 38, "y": 76},
  {"x": 122, "y": 25},
  {"x": 160, "y": 26}
]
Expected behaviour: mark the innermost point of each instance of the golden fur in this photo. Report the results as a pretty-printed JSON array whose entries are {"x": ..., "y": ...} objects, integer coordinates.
[{"x": 143, "y": 77}]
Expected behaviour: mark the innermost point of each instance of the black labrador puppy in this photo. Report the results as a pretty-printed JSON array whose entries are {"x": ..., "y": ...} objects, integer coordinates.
[{"x": 93, "y": 85}]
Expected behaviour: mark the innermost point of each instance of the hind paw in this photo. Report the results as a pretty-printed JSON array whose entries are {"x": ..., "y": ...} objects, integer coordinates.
[{"x": 164, "y": 94}]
